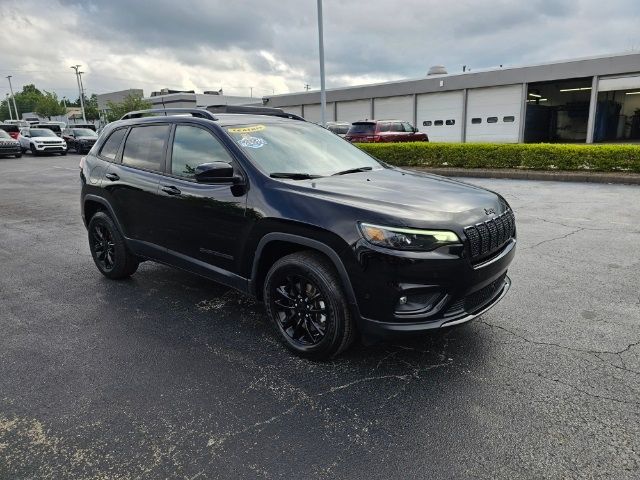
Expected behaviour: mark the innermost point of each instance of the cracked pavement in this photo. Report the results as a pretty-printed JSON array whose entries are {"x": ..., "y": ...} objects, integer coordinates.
[{"x": 168, "y": 375}]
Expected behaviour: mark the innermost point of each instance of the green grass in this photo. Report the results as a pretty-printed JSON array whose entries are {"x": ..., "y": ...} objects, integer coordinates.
[{"x": 538, "y": 156}]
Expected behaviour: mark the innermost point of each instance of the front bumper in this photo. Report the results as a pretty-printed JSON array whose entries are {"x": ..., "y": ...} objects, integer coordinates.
[
  {"x": 458, "y": 289},
  {"x": 51, "y": 148},
  {"x": 10, "y": 149}
]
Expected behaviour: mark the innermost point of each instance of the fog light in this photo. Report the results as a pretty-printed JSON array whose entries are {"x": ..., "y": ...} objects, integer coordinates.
[{"x": 417, "y": 302}]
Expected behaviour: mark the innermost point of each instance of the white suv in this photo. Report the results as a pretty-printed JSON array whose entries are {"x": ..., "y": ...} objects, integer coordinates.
[{"x": 41, "y": 140}]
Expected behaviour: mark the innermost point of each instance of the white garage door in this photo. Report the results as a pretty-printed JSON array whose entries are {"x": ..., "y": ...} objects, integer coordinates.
[
  {"x": 354, "y": 110},
  {"x": 440, "y": 116},
  {"x": 493, "y": 114},
  {"x": 296, "y": 109},
  {"x": 312, "y": 113},
  {"x": 394, "y": 108}
]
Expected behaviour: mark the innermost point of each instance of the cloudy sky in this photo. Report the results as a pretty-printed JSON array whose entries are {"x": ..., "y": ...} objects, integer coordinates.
[{"x": 271, "y": 45}]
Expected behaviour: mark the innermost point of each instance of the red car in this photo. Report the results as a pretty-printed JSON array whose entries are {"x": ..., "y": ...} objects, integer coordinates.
[
  {"x": 11, "y": 129},
  {"x": 384, "y": 131}
]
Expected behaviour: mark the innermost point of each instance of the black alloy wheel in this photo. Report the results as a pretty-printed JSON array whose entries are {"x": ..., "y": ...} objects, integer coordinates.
[
  {"x": 301, "y": 310},
  {"x": 304, "y": 297},
  {"x": 108, "y": 248},
  {"x": 103, "y": 246}
]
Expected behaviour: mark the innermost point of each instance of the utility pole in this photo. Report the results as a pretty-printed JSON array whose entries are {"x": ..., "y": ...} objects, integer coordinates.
[
  {"x": 9, "y": 105},
  {"x": 13, "y": 97},
  {"x": 323, "y": 93},
  {"x": 251, "y": 89},
  {"x": 76, "y": 67},
  {"x": 307, "y": 87},
  {"x": 64, "y": 102}
]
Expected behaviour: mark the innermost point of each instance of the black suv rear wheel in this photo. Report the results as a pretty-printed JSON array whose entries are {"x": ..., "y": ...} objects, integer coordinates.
[
  {"x": 108, "y": 248},
  {"x": 306, "y": 303}
]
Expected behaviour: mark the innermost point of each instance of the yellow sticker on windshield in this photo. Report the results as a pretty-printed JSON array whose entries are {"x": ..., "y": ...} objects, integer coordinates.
[{"x": 251, "y": 129}]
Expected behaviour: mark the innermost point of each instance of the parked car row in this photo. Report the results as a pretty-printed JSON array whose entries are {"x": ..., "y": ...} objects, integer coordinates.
[
  {"x": 367, "y": 131},
  {"x": 43, "y": 138},
  {"x": 9, "y": 145}
]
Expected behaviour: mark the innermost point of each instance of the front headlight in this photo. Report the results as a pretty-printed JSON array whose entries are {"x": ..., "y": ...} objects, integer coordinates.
[{"x": 407, "y": 238}]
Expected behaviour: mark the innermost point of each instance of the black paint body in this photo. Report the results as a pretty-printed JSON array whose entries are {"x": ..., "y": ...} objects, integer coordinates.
[{"x": 234, "y": 233}]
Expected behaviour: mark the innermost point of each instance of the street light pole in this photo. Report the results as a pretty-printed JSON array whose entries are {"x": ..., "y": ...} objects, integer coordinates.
[
  {"x": 75, "y": 67},
  {"x": 13, "y": 97},
  {"x": 323, "y": 93},
  {"x": 9, "y": 105}
]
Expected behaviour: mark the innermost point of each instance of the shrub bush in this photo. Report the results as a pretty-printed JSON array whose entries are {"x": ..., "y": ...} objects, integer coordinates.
[{"x": 538, "y": 156}]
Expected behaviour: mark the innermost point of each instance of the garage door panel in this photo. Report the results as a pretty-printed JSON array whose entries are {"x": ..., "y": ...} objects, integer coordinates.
[
  {"x": 445, "y": 107},
  {"x": 354, "y": 110},
  {"x": 394, "y": 108},
  {"x": 312, "y": 113},
  {"x": 502, "y": 104}
]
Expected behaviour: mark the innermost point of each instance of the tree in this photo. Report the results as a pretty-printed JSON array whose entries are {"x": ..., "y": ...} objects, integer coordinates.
[
  {"x": 91, "y": 107},
  {"x": 49, "y": 106},
  {"x": 131, "y": 102}
]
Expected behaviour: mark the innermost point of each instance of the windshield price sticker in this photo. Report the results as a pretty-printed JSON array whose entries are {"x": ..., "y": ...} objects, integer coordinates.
[
  {"x": 251, "y": 129},
  {"x": 252, "y": 142}
]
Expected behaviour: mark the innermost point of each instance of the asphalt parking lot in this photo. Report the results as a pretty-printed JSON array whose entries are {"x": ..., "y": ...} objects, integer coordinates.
[{"x": 167, "y": 375}]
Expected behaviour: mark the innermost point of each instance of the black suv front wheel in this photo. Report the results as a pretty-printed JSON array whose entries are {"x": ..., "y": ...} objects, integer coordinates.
[
  {"x": 108, "y": 248},
  {"x": 305, "y": 300}
]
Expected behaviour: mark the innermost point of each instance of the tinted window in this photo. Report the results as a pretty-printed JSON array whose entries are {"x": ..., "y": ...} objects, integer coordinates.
[
  {"x": 509, "y": 119},
  {"x": 438, "y": 123},
  {"x": 426, "y": 123},
  {"x": 112, "y": 145},
  {"x": 395, "y": 127},
  {"x": 492, "y": 119},
  {"x": 193, "y": 146},
  {"x": 84, "y": 132},
  {"x": 339, "y": 129},
  {"x": 407, "y": 127},
  {"x": 144, "y": 147},
  {"x": 383, "y": 126},
  {"x": 362, "y": 128},
  {"x": 41, "y": 132},
  {"x": 450, "y": 122},
  {"x": 476, "y": 120},
  {"x": 10, "y": 128}
]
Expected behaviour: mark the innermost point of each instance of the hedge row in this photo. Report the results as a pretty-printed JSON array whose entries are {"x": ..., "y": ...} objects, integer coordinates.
[{"x": 539, "y": 156}]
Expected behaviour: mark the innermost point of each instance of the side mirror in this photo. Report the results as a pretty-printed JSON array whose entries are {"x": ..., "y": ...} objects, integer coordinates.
[{"x": 216, "y": 172}]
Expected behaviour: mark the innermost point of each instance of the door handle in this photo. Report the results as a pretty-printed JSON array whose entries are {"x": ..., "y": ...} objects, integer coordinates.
[
  {"x": 112, "y": 176},
  {"x": 171, "y": 190}
]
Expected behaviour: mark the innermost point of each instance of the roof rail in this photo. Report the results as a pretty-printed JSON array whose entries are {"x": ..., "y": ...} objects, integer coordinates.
[
  {"x": 253, "y": 110},
  {"x": 195, "y": 112}
]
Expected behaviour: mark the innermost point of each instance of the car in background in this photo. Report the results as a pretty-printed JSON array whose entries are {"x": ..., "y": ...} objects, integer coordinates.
[
  {"x": 79, "y": 139},
  {"x": 339, "y": 128},
  {"x": 90, "y": 126},
  {"x": 370, "y": 131},
  {"x": 54, "y": 127},
  {"x": 18, "y": 123},
  {"x": 41, "y": 141},
  {"x": 11, "y": 129},
  {"x": 9, "y": 145}
]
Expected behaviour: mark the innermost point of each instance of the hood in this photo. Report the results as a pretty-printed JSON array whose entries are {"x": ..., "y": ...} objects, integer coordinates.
[
  {"x": 45, "y": 139},
  {"x": 412, "y": 198},
  {"x": 88, "y": 139}
]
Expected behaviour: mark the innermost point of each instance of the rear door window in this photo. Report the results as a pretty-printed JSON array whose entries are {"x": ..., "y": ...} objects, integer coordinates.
[
  {"x": 396, "y": 127},
  {"x": 145, "y": 147},
  {"x": 112, "y": 145},
  {"x": 362, "y": 129}
]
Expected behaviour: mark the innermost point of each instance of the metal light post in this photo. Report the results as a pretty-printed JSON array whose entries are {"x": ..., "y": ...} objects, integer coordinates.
[
  {"x": 9, "y": 106},
  {"x": 13, "y": 97},
  {"x": 75, "y": 67},
  {"x": 323, "y": 93}
]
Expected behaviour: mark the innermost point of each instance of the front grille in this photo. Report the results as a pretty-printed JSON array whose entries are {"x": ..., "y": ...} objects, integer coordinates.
[
  {"x": 51, "y": 142},
  {"x": 480, "y": 298},
  {"x": 487, "y": 237}
]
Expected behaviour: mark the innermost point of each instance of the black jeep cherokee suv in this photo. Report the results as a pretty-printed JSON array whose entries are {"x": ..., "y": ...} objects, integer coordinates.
[{"x": 333, "y": 241}]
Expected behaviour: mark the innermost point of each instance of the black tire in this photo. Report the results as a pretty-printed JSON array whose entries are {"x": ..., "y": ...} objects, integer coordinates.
[
  {"x": 34, "y": 152},
  {"x": 18, "y": 155},
  {"x": 108, "y": 248},
  {"x": 24, "y": 150},
  {"x": 303, "y": 294},
  {"x": 63, "y": 153}
]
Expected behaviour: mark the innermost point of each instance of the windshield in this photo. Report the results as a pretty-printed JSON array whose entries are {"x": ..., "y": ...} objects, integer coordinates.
[
  {"x": 362, "y": 128},
  {"x": 298, "y": 147},
  {"x": 41, "y": 132},
  {"x": 4, "y": 134},
  {"x": 84, "y": 132}
]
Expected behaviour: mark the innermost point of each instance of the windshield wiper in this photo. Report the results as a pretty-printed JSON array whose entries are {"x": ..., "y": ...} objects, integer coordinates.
[
  {"x": 353, "y": 170},
  {"x": 293, "y": 175}
]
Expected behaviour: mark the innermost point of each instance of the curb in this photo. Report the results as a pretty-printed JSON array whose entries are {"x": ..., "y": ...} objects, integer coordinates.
[{"x": 556, "y": 176}]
